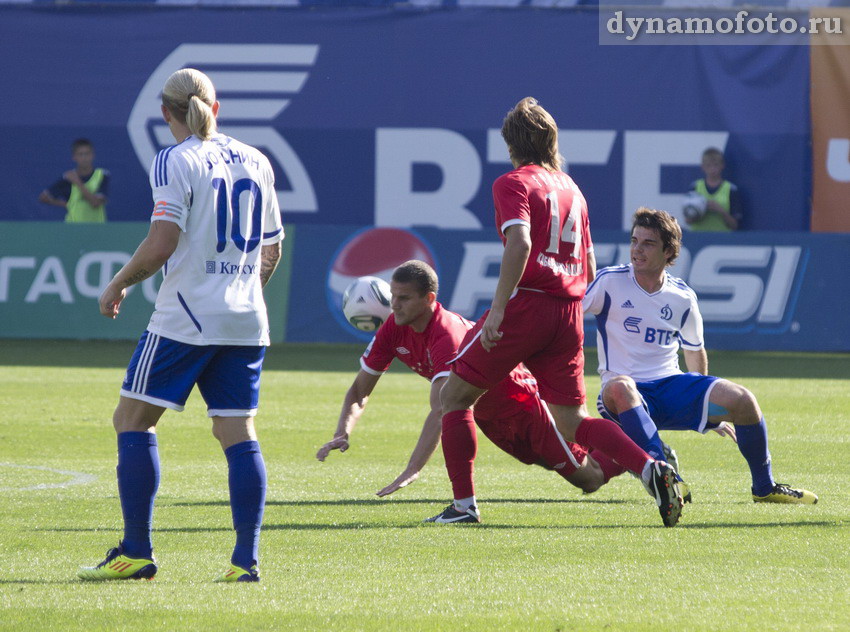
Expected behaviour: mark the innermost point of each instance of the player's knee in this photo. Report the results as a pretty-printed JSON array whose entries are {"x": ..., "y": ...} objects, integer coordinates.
[
  {"x": 589, "y": 482},
  {"x": 452, "y": 398},
  {"x": 748, "y": 407},
  {"x": 740, "y": 402},
  {"x": 622, "y": 391},
  {"x": 127, "y": 419},
  {"x": 591, "y": 485},
  {"x": 589, "y": 477},
  {"x": 117, "y": 422}
]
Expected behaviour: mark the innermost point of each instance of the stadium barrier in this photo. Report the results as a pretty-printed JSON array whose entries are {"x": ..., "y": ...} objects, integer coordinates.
[
  {"x": 369, "y": 119},
  {"x": 51, "y": 276},
  {"x": 758, "y": 291}
]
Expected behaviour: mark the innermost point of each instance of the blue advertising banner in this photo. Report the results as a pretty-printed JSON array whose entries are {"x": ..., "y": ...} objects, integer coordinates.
[
  {"x": 759, "y": 291},
  {"x": 390, "y": 116}
]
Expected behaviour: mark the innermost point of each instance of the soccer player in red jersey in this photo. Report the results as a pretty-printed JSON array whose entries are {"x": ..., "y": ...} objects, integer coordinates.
[
  {"x": 536, "y": 318},
  {"x": 425, "y": 336}
]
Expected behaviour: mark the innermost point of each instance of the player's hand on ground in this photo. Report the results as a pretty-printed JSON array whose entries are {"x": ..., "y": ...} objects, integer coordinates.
[
  {"x": 404, "y": 479},
  {"x": 490, "y": 333},
  {"x": 337, "y": 443},
  {"x": 726, "y": 429},
  {"x": 110, "y": 300}
]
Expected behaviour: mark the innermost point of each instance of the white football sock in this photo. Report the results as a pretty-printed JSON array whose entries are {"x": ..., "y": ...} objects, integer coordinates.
[
  {"x": 646, "y": 472},
  {"x": 462, "y": 504}
]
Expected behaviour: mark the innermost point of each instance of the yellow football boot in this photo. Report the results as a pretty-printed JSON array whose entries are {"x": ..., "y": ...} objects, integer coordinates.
[
  {"x": 239, "y": 574},
  {"x": 119, "y": 566},
  {"x": 785, "y": 494}
]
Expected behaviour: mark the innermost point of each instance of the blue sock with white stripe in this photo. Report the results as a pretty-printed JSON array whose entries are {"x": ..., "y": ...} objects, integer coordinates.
[
  {"x": 247, "y": 481},
  {"x": 138, "y": 480},
  {"x": 639, "y": 427},
  {"x": 752, "y": 442}
]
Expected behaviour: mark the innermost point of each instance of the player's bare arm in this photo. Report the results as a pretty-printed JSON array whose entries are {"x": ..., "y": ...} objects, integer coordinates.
[
  {"x": 696, "y": 361},
  {"x": 428, "y": 441},
  {"x": 149, "y": 257},
  {"x": 514, "y": 258},
  {"x": 352, "y": 408},
  {"x": 591, "y": 266},
  {"x": 269, "y": 258}
]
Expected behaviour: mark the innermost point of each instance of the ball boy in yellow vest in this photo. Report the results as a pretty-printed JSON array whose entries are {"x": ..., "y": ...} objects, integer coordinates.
[
  {"x": 723, "y": 208},
  {"x": 81, "y": 191}
]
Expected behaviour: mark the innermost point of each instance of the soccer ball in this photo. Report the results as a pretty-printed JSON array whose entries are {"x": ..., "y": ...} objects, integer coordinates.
[
  {"x": 366, "y": 303},
  {"x": 694, "y": 207}
]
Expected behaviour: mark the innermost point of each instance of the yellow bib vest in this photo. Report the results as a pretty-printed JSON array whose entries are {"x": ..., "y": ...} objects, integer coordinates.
[
  {"x": 712, "y": 221},
  {"x": 79, "y": 210}
]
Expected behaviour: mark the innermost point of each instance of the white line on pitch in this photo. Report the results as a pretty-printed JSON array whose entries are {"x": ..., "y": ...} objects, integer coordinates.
[{"x": 77, "y": 478}]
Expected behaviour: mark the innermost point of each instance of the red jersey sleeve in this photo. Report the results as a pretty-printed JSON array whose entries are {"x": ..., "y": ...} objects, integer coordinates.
[
  {"x": 510, "y": 198},
  {"x": 588, "y": 242},
  {"x": 379, "y": 354},
  {"x": 443, "y": 351},
  {"x": 449, "y": 332}
]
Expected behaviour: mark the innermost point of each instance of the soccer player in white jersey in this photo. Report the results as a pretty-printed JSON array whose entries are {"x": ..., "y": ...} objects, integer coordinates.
[
  {"x": 644, "y": 315},
  {"x": 216, "y": 232}
]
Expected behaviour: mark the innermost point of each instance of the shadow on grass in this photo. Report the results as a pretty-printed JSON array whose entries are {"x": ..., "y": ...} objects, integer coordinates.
[
  {"x": 356, "y": 526},
  {"x": 343, "y": 358},
  {"x": 395, "y": 501},
  {"x": 56, "y": 582}
]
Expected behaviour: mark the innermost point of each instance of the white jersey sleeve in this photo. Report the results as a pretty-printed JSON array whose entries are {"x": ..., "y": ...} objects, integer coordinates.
[
  {"x": 594, "y": 297},
  {"x": 273, "y": 231},
  {"x": 691, "y": 331},
  {"x": 172, "y": 192}
]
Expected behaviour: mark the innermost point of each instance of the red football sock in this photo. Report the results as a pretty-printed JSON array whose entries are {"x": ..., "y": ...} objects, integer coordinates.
[
  {"x": 460, "y": 445},
  {"x": 610, "y": 468},
  {"x": 604, "y": 435}
]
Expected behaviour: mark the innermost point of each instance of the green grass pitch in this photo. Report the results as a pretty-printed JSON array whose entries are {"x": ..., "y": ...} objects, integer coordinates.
[{"x": 336, "y": 557}]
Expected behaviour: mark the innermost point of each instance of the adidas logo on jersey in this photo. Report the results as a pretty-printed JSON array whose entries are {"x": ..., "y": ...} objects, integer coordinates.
[{"x": 627, "y": 304}]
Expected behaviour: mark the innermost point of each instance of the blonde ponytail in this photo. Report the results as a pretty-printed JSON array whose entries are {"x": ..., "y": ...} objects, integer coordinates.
[{"x": 189, "y": 95}]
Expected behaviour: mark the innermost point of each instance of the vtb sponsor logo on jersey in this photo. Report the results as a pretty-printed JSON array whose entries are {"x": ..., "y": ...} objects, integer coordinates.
[
  {"x": 662, "y": 337},
  {"x": 254, "y": 83},
  {"x": 631, "y": 324}
]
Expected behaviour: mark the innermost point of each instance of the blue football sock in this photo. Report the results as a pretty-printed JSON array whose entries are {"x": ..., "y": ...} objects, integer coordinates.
[
  {"x": 247, "y": 480},
  {"x": 639, "y": 427},
  {"x": 138, "y": 480},
  {"x": 752, "y": 442}
]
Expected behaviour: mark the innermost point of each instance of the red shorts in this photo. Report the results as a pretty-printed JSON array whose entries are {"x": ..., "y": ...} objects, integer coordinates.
[
  {"x": 544, "y": 332},
  {"x": 530, "y": 436}
]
